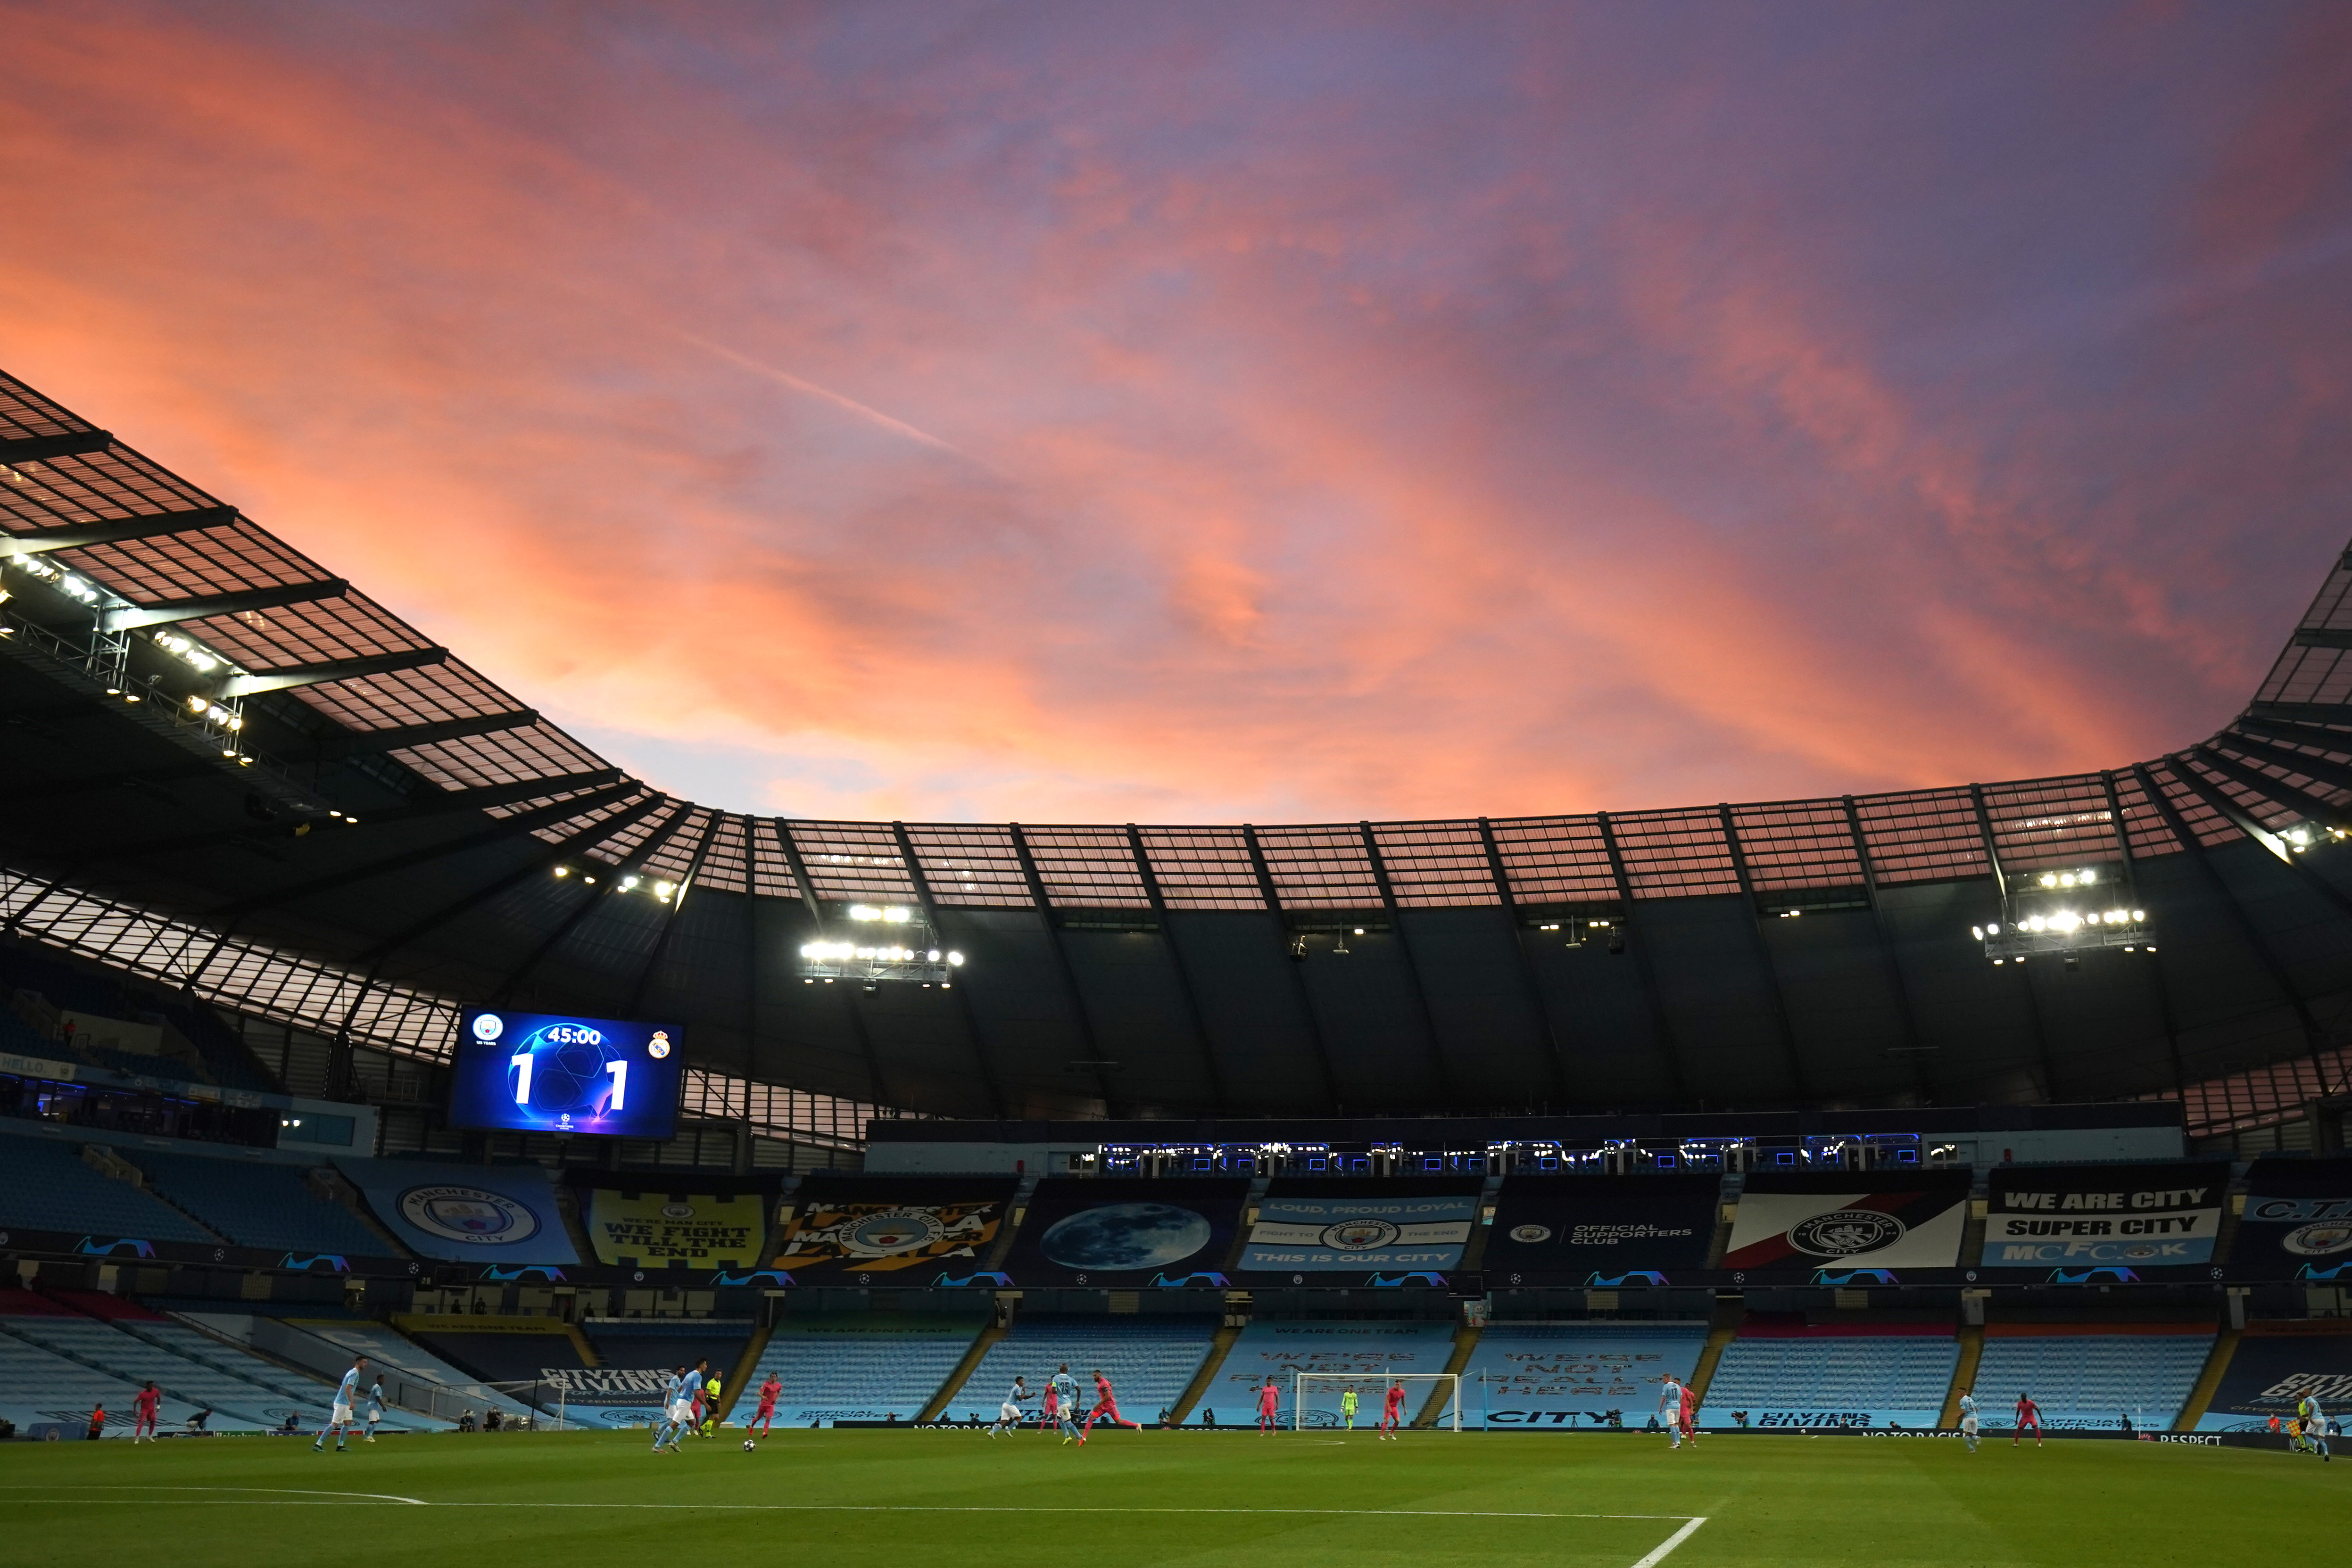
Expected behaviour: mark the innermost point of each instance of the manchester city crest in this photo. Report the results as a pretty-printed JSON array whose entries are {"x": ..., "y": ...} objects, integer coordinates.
[{"x": 1844, "y": 1232}]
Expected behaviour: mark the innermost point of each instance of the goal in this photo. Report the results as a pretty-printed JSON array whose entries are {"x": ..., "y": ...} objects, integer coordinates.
[{"x": 1315, "y": 1397}]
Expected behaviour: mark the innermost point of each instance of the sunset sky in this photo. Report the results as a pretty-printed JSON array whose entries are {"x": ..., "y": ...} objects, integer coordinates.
[{"x": 1117, "y": 412}]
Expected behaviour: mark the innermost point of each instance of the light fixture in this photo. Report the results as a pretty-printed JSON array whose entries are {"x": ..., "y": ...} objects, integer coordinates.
[
  {"x": 628, "y": 884},
  {"x": 560, "y": 871}
]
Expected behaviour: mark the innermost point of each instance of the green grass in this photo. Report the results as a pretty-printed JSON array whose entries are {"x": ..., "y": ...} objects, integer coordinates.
[{"x": 903, "y": 1498}]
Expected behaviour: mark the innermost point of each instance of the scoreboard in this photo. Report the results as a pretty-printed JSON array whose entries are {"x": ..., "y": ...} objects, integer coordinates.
[{"x": 546, "y": 1072}]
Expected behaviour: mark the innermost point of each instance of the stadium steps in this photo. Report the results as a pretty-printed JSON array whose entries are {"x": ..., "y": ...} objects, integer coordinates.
[
  {"x": 1024, "y": 1192},
  {"x": 234, "y": 1359},
  {"x": 297, "y": 1375},
  {"x": 739, "y": 1377},
  {"x": 981, "y": 1346},
  {"x": 1719, "y": 1340},
  {"x": 1964, "y": 1374},
  {"x": 75, "y": 1346},
  {"x": 1206, "y": 1379},
  {"x": 2209, "y": 1382},
  {"x": 333, "y": 1186},
  {"x": 1465, "y": 1345},
  {"x": 110, "y": 1162},
  {"x": 1726, "y": 1205},
  {"x": 567, "y": 1208}
]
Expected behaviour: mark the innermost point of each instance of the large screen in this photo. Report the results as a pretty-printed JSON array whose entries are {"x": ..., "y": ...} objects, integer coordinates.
[{"x": 542, "y": 1073}]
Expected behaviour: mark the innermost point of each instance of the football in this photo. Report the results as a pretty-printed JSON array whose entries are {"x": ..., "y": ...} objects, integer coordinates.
[{"x": 747, "y": 1445}]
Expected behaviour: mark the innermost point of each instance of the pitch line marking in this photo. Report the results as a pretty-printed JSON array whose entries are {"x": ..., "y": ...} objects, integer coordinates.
[
  {"x": 1671, "y": 1541},
  {"x": 331, "y": 1501},
  {"x": 291, "y": 1491}
]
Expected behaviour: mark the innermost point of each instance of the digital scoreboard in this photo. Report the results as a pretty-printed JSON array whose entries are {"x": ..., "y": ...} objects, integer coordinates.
[{"x": 546, "y": 1072}]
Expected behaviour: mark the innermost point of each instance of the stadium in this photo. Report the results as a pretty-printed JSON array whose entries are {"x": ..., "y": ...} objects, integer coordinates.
[{"x": 384, "y": 1071}]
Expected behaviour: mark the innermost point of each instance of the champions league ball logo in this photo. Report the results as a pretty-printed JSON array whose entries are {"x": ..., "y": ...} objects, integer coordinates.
[{"x": 1844, "y": 1232}]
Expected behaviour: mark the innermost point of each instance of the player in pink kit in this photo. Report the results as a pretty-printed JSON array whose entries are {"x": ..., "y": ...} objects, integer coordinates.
[
  {"x": 1391, "y": 1411},
  {"x": 766, "y": 1419},
  {"x": 1269, "y": 1408},
  {"x": 143, "y": 1413},
  {"x": 1106, "y": 1404},
  {"x": 2029, "y": 1413}
]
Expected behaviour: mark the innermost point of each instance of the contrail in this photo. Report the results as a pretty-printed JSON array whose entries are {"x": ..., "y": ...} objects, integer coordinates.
[{"x": 872, "y": 414}]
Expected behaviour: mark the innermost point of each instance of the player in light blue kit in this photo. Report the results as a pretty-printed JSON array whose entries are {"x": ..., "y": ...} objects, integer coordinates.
[
  {"x": 339, "y": 1419},
  {"x": 374, "y": 1409},
  {"x": 678, "y": 1400},
  {"x": 1065, "y": 1402},
  {"x": 1008, "y": 1414},
  {"x": 1968, "y": 1418},
  {"x": 2315, "y": 1426}
]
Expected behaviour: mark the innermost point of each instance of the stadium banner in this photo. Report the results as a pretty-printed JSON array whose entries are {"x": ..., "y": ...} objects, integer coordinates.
[
  {"x": 2277, "y": 1363},
  {"x": 1601, "y": 1231},
  {"x": 1546, "y": 1377},
  {"x": 1842, "y": 1226},
  {"x": 2121, "y": 1221},
  {"x": 638, "y": 1228},
  {"x": 1170, "y": 1231},
  {"x": 894, "y": 1230},
  {"x": 465, "y": 1213},
  {"x": 1395, "y": 1232},
  {"x": 2297, "y": 1223}
]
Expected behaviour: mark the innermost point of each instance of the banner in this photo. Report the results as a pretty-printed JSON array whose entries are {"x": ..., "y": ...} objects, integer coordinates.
[
  {"x": 1307, "y": 1227},
  {"x": 2297, "y": 1223},
  {"x": 2123, "y": 1222},
  {"x": 1170, "y": 1232},
  {"x": 1862, "y": 1224},
  {"x": 1547, "y": 1378},
  {"x": 676, "y": 1229},
  {"x": 2277, "y": 1363},
  {"x": 465, "y": 1213},
  {"x": 1600, "y": 1231},
  {"x": 918, "y": 1230}
]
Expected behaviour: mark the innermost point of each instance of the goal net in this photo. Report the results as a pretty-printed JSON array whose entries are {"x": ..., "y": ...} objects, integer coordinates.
[{"x": 1318, "y": 1399}]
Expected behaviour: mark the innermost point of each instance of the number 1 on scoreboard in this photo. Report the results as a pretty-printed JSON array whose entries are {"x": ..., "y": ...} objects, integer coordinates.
[
  {"x": 520, "y": 1062},
  {"x": 620, "y": 1071}
]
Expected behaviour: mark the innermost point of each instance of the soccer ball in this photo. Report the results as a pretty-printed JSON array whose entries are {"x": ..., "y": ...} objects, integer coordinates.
[{"x": 747, "y": 1445}]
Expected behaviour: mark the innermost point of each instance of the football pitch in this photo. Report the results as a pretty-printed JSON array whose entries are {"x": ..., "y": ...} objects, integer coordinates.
[{"x": 1428, "y": 1501}]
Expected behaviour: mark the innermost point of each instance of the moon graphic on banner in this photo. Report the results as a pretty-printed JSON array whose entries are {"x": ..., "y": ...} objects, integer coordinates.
[{"x": 1126, "y": 1235}]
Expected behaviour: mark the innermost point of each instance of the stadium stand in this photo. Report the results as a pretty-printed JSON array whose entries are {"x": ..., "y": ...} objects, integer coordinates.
[
  {"x": 325, "y": 1346},
  {"x": 864, "y": 1366},
  {"x": 1150, "y": 1361},
  {"x": 1792, "y": 1374},
  {"x": 42, "y": 1390},
  {"x": 2093, "y": 1375},
  {"x": 257, "y": 1204},
  {"x": 1283, "y": 1346},
  {"x": 219, "y": 1057},
  {"x": 123, "y": 1348},
  {"x": 1540, "y": 1377},
  {"x": 45, "y": 1186}
]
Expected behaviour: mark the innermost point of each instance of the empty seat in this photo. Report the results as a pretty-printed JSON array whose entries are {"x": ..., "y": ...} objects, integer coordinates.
[
  {"x": 862, "y": 1371},
  {"x": 1838, "y": 1379},
  {"x": 1150, "y": 1361},
  {"x": 257, "y": 1204},
  {"x": 44, "y": 1186},
  {"x": 2091, "y": 1379}
]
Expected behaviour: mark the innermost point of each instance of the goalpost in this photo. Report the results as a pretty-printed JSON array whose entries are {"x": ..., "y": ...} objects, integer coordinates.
[{"x": 1315, "y": 1397}]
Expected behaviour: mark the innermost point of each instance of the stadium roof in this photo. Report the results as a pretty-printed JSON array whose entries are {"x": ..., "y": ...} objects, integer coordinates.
[{"x": 386, "y": 832}]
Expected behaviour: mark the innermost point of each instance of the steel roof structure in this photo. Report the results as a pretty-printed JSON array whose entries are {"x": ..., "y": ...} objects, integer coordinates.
[{"x": 227, "y": 766}]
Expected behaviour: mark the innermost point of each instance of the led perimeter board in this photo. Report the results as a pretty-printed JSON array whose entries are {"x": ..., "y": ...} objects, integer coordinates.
[{"x": 544, "y": 1073}]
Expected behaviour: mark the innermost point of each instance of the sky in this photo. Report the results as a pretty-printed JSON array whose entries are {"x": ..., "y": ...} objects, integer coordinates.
[{"x": 1125, "y": 411}]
